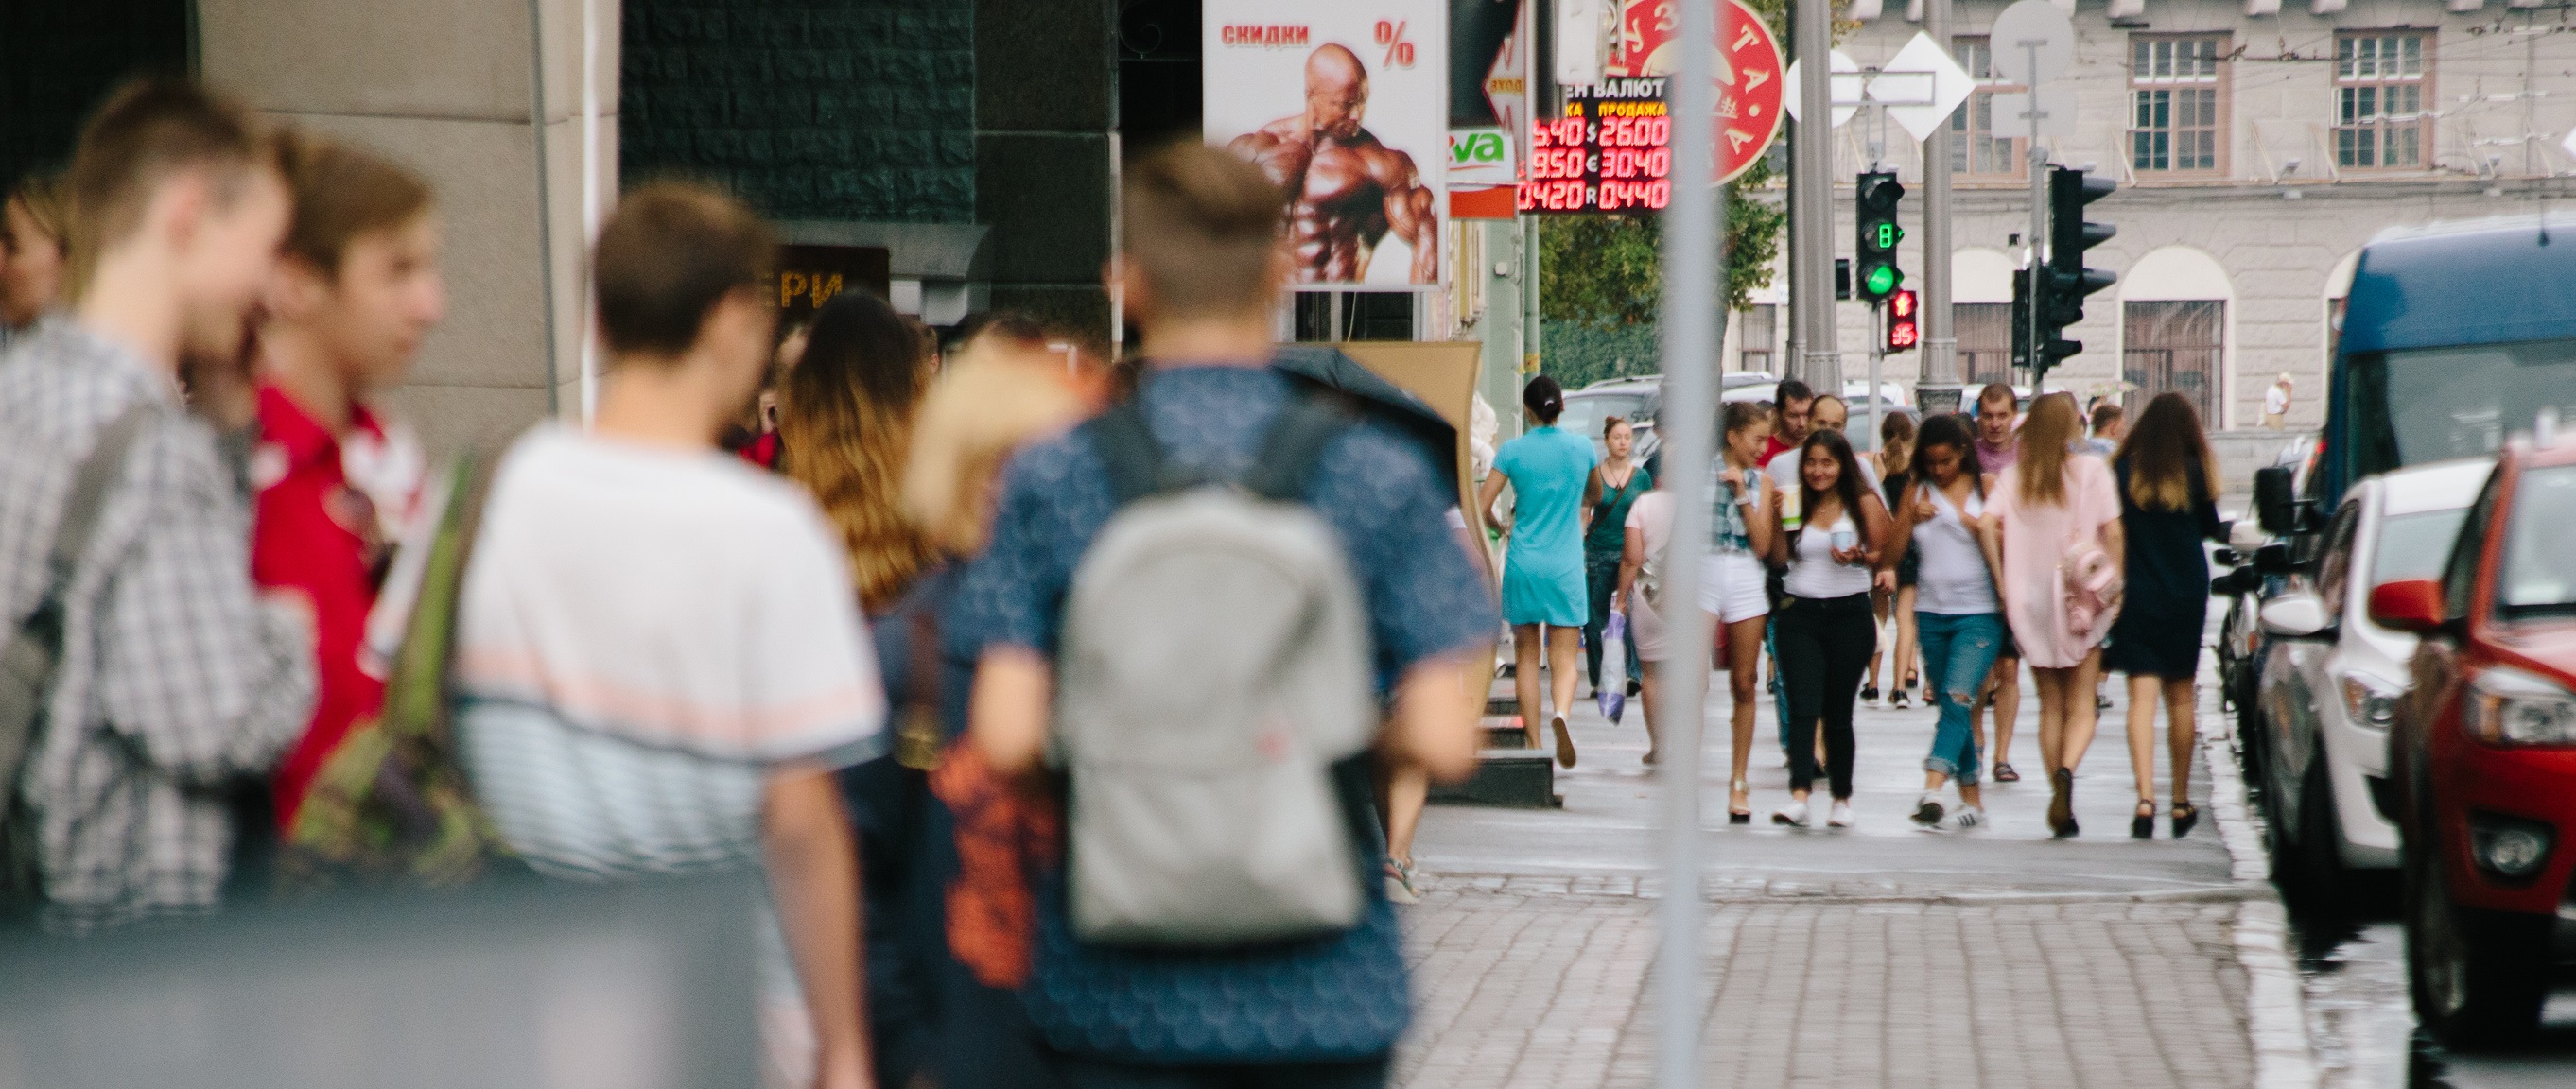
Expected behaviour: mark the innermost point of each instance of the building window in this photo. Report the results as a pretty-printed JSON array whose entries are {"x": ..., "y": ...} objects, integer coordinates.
[
  {"x": 2173, "y": 346},
  {"x": 1984, "y": 331},
  {"x": 2177, "y": 100},
  {"x": 1976, "y": 149},
  {"x": 2381, "y": 81},
  {"x": 1760, "y": 336}
]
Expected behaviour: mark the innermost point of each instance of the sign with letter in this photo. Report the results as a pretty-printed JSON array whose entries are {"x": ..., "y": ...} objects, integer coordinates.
[
  {"x": 808, "y": 276},
  {"x": 1345, "y": 104}
]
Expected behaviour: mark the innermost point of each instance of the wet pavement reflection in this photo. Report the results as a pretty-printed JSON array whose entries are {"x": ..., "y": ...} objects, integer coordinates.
[{"x": 2362, "y": 1030}]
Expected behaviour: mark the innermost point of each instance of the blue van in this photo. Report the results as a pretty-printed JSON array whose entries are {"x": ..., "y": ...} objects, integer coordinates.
[{"x": 2454, "y": 336}]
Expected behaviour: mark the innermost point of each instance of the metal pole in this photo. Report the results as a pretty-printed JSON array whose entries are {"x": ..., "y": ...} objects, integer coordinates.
[
  {"x": 1811, "y": 164},
  {"x": 1533, "y": 321},
  {"x": 1877, "y": 362},
  {"x": 2037, "y": 161},
  {"x": 1694, "y": 264},
  {"x": 589, "y": 199},
  {"x": 545, "y": 205},
  {"x": 1940, "y": 345}
]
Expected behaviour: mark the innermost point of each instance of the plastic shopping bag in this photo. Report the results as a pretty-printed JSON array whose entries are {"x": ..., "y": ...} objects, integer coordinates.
[{"x": 1614, "y": 667}]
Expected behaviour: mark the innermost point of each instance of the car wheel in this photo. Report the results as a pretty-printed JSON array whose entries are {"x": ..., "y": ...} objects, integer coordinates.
[
  {"x": 2249, "y": 741},
  {"x": 2316, "y": 861},
  {"x": 2478, "y": 978}
]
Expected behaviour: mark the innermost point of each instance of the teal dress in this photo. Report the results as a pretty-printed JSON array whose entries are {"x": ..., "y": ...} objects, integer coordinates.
[{"x": 1543, "y": 574}]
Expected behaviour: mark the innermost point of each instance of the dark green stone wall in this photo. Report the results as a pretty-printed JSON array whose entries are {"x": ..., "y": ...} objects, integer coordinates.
[
  {"x": 854, "y": 110},
  {"x": 59, "y": 57}
]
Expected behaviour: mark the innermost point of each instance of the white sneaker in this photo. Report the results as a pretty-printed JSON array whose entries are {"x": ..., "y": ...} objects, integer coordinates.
[
  {"x": 1840, "y": 816},
  {"x": 1970, "y": 816},
  {"x": 1794, "y": 813}
]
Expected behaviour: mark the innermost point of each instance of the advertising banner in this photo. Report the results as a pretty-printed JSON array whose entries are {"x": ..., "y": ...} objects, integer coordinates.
[
  {"x": 1747, "y": 73},
  {"x": 1345, "y": 104}
]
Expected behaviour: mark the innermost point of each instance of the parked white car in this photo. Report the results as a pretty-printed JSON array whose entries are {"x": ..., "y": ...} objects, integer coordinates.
[{"x": 2331, "y": 679}]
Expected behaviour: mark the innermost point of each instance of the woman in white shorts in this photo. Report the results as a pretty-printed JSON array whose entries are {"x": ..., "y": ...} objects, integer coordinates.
[{"x": 1731, "y": 591}]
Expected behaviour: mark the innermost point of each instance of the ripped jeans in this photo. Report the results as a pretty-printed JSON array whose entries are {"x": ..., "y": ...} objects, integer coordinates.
[{"x": 1958, "y": 651}]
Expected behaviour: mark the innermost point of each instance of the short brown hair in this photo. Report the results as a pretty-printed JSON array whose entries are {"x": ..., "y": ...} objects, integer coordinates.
[
  {"x": 666, "y": 256},
  {"x": 2106, "y": 414},
  {"x": 341, "y": 192},
  {"x": 1202, "y": 226},
  {"x": 143, "y": 133}
]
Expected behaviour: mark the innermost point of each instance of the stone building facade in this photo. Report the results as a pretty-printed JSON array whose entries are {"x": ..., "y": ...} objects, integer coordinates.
[{"x": 2257, "y": 145}]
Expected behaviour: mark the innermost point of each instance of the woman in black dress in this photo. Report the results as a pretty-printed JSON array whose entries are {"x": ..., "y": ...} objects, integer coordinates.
[{"x": 2164, "y": 468}]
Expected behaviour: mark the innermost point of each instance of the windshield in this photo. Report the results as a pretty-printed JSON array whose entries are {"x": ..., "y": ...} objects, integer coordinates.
[
  {"x": 2428, "y": 404},
  {"x": 2413, "y": 546},
  {"x": 2539, "y": 574},
  {"x": 1583, "y": 414}
]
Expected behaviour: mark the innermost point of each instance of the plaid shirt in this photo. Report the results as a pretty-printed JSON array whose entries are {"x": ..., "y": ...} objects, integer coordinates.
[{"x": 175, "y": 679}]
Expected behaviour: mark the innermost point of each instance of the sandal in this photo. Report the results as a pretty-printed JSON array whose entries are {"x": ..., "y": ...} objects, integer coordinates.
[
  {"x": 1739, "y": 803},
  {"x": 1564, "y": 742},
  {"x": 2005, "y": 774},
  {"x": 2142, "y": 825},
  {"x": 2185, "y": 815}
]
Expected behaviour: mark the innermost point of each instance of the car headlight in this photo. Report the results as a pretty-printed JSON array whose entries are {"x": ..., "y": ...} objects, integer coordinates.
[
  {"x": 2510, "y": 707},
  {"x": 2370, "y": 701}
]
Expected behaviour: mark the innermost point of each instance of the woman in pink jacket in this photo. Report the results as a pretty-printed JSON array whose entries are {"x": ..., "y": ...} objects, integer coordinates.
[{"x": 2054, "y": 519}]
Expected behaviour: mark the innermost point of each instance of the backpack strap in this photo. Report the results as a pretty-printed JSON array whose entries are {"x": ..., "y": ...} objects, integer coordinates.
[
  {"x": 1128, "y": 448},
  {"x": 1295, "y": 444},
  {"x": 91, "y": 483}
]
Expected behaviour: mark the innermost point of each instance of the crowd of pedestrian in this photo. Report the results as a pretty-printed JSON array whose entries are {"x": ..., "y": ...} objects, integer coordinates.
[
  {"x": 1078, "y": 716},
  {"x": 831, "y": 603},
  {"x": 1992, "y": 539}
]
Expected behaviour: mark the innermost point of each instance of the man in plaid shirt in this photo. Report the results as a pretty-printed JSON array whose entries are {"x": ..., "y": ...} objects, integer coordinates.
[{"x": 176, "y": 681}]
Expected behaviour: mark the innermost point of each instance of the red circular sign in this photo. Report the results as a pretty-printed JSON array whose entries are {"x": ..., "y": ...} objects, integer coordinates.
[{"x": 1746, "y": 73}]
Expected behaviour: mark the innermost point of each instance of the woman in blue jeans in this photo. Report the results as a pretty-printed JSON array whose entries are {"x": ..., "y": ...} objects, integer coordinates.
[{"x": 1956, "y": 614}]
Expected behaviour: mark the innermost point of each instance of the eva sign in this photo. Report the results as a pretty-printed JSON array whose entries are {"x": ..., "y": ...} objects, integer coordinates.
[
  {"x": 1480, "y": 158},
  {"x": 1746, "y": 73}
]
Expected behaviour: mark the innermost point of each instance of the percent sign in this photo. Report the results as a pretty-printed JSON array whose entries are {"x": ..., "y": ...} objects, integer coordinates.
[{"x": 1399, "y": 49}]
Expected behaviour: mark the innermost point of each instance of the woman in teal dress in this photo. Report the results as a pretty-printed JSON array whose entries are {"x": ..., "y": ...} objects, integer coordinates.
[
  {"x": 1617, "y": 484},
  {"x": 1544, "y": 596}
]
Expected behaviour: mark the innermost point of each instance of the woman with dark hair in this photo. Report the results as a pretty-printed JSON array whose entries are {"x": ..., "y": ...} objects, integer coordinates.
[
  {"x": 35, "y": 245},
  {"x": 1895, "y": 460},
  {"x": 1825, "y": 632},
  {"x": 1553, "y": 488},
  {"x": 1618, "y": 482},
  {"x": 2164, "y": 469},
  {"x": 845, "y": 414},
  {"x": 1953, "y": 605},
  {"x": 2053, "y": 528}
]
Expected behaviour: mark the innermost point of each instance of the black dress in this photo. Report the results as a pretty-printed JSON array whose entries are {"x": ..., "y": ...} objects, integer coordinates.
[{"x": 2167, "y": 601}]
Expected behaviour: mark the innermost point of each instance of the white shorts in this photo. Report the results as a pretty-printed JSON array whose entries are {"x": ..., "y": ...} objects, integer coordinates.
[{"x": 1734, "y": 586}]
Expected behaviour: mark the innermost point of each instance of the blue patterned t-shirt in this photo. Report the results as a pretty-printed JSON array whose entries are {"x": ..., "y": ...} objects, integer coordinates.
[{"x": 1339, "y": 997}]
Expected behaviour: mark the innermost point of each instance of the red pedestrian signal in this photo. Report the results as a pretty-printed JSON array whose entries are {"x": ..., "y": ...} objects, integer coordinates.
[{"x": 1903, "y": 329}]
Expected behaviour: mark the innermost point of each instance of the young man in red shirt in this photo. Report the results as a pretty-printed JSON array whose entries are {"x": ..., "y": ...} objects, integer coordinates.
[
  {"x": 356, "y": 289},
  {"x": 1796, "y": 405}
]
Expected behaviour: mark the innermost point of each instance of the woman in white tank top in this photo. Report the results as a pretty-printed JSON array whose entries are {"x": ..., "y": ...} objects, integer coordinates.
[{"x": 1956, "y": 614}]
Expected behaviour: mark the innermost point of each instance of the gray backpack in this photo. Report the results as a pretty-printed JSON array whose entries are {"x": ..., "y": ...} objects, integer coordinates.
[
  {"x": 1214, "y": 689},
  {"x": 35, "y": 646}
]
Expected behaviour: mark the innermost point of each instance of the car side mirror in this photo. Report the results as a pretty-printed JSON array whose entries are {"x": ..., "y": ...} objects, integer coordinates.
[
  {"x": 2276, "y": 504},
  {"x": 2273, "y": 559},
  {"x": 2296, "y": 615},
  {"x": 2408, "y": 605}
]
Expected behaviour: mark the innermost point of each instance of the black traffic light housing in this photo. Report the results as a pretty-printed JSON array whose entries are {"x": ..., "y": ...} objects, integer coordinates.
[
  {"x": 2064, "y": 281},
  {"x": 1874, "y": 272}
]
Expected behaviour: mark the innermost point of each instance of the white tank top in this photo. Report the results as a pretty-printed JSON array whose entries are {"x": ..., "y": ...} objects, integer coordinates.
[
  {"x": 1813, "y": 572},
  {"x": 1952, "y": 580}
]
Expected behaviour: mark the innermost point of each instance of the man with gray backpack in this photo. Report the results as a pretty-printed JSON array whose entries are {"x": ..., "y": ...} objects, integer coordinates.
[{"x": 1207, "y": 611}]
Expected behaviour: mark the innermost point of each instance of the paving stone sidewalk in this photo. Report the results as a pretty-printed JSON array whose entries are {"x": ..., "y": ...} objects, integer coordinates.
[{"x": 1517, "y": 988}]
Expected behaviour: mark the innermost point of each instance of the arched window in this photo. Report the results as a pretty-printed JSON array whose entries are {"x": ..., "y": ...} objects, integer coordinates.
[{"x": 2173, "y": 330}]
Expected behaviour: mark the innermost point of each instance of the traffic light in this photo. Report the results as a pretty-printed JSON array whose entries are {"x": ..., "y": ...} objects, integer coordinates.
[
  {"x": 1903, "y": 329},
  {"x": 2021, "y": 317},
  {"x": 2064, "y": 282},
  {"x": 1874, "y": 272}
]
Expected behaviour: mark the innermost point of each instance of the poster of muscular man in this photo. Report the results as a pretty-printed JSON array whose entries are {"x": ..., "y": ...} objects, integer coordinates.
[{"x": 1344, "y": 103}]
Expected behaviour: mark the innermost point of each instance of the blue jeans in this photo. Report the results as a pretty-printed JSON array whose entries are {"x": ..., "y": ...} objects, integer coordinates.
[{"x": 1958, "y": 652}]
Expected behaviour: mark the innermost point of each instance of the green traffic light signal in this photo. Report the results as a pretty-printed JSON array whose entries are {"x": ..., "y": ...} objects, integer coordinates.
[
  {"x": 1888, "y": 234},
  {"x": 1882, "y": 279}
]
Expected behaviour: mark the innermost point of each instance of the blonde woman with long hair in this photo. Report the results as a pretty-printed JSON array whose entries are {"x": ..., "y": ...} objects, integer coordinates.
[{"x": 2052, "y": 528}]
